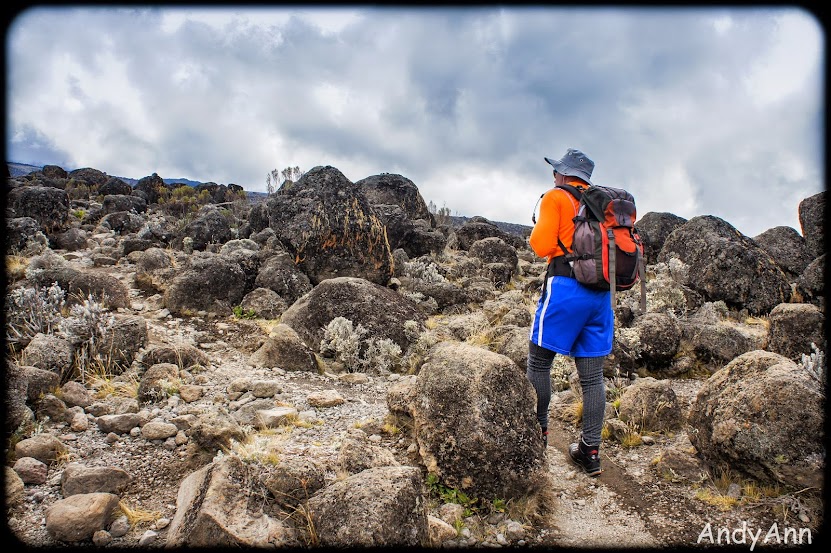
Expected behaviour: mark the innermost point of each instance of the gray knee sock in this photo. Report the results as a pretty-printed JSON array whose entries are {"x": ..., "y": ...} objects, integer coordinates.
[
  {"x": 590, "y": 370},
  {"x": 538, "y": 372}
]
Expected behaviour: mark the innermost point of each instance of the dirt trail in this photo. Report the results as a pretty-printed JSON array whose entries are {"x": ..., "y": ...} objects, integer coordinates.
[{"x": 590, "y": 512}]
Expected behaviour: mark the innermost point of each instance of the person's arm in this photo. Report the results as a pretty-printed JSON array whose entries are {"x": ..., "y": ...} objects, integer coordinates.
[{"x": 543, "y": 238}]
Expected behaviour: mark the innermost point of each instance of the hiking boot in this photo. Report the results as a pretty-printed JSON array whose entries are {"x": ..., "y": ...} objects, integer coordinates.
[
  {"x": 586, "y": 456},
  {"x": 544, "y": 437}
]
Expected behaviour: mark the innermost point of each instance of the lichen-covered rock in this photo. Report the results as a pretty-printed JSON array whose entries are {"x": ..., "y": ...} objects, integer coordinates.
[
  {"x": 211, "y": 283},
  {"x": 328, "y": 225},
  {"x": 763, "y": 416},
  {"x": 650, "y": 405},
  {"x": 473, "y": 422},
  {"x": 380, "y": 310},
  {"x": 812, "y": 220},
  {"x": 209, "y": 227},
  {"x": 653, "y": 228},
  {"x": 212, "y": 510},
  {"x": 787, "y": 248},
  {"x": 47, "y": 205},
  {"x": 280, "y": 273},
  {"x": 794, "y": 327},
  {"x": 378, "y": 507},
  {"x": 283, "y": 348},
  {"x": 726, "y": 265}
]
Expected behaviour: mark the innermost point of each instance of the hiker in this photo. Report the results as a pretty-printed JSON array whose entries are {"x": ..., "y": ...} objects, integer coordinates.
[{"x": 570, "y": 319}]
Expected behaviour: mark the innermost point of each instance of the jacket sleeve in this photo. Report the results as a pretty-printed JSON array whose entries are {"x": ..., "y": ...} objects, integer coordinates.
[{"x": 543, "y": 238}]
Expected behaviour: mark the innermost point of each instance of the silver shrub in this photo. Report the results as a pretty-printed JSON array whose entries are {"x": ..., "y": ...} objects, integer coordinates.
[
  {"x": 350, "y": 345},
  {"x": 815, "y": 365},
  {"x": 86, "y": 328},
  {"x": 424, "y": 271},
  {"x": 30, "y": 311}
]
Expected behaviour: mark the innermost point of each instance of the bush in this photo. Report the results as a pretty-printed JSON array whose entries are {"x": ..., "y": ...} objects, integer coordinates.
[
  {"x": 30, "y": 311},
  {"x": 350, "y": 346},
  {"x": 86, "y": 328}
]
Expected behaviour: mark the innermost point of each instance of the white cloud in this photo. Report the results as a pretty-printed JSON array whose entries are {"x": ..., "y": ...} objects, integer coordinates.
[{"x": 690, "y": 109}]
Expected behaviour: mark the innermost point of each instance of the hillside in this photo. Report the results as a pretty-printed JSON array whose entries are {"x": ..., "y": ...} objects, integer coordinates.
[{"x": 22, "y": 169}]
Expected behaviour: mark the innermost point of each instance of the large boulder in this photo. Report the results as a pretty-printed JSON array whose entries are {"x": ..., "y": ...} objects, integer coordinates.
[
  {"x": 92, "y": 177},
  {"x": 794, "y": 327},
  {"x": 280, "y": 274},
  {"x": 726, "y": 265},
  {"x": 477, "y": 228},
  {"x": 415, "y": 237},
  {"x": 391, "y": 189},
  {"x": 762, "y": 415},
  {"x": 653, "y": 228},
  {"x": 107, "y": 289},
  {"x": 47, "y": 205},
  {"x": 284, "y": 349},
  {"x": 213, "y": 510},
  {"x": 812, "y": 222},
  {"x": 650, "y": 405},
  {"x": 115, "y": 185},
  {"x": 151, "y": 188},
  {"x": 123, "y": 222},
  {"x": 209, "y": 227},
  {"x": 20, "y": 231},
  {"x": 811, "y": 283},
  {"x": 79, "y": 516},
  {"x": 473, "y": 422},
  {"x": 380, "y": 310},
  {"x": 378, "y": 507},
  {"x": 659, "y": 337},
  {"x": 494, "y": 250},
  {"x": 123, "y": 202},
  {"x": 326, "y": 222},
  {"x": 211, "y": 283},
  {"x": 717, "y": 343},
  {"x": 787, "y": 248}
]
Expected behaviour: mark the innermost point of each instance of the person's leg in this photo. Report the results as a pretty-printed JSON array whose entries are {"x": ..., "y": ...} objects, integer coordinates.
[
  {"x": 538, "y": 372},
  {"x": 590, "y": 371}
]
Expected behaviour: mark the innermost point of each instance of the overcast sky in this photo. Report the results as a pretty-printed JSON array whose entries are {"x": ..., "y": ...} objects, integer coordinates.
[{"x": 696, "y": 111}]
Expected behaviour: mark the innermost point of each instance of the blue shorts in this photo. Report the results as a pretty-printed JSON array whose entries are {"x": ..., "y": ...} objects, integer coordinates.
[{"x": 574, "y": 320}]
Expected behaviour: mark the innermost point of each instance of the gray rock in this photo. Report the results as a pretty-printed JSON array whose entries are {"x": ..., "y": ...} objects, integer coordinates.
[
  {"x": 43, "y": 447},
  {"x": 283, "y": 348},
  {"x": 212, "y": 282},
  {"x": 812, "y": 222},
  {"x": 78, "y": 517},
  {"x": 726, "y": 265},
  {"x": 787, "y": 248},
  {"x": 30, "y": 470},
  {"x": 473, "y": 424},
  {"x": 50, "y": 353},
  {"x": 212, "y": 510},
  {"x": 329, "y": 226},
  {"x": 762, "y": 415},
  {"x": 294, "y": 480},
  {"x": 654, "y": 228},
  {"x": 650, "y": 405},
  {"x": 379, "y": 507},
  {"x": 79, "y": 479},
  {"x": 357, "y": 300},
  {"x": 118, "y": 424},
  {"x": 280, "y": 274},
  {"x": 794, "y": 327}
]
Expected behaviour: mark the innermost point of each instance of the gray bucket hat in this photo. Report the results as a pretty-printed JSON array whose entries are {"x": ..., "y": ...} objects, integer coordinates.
[{"x": 575, "y": 163}]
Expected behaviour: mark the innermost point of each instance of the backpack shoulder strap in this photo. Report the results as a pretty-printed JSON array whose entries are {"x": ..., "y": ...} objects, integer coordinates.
[{"x": 573, "y": 190}]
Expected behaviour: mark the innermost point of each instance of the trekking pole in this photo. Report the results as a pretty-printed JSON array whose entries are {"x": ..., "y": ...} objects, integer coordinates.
[{"x": 612, "y": 284}]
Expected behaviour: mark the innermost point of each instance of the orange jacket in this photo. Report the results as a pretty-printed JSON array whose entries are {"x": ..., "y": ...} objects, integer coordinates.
[{"x": 557, "y": 211}]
